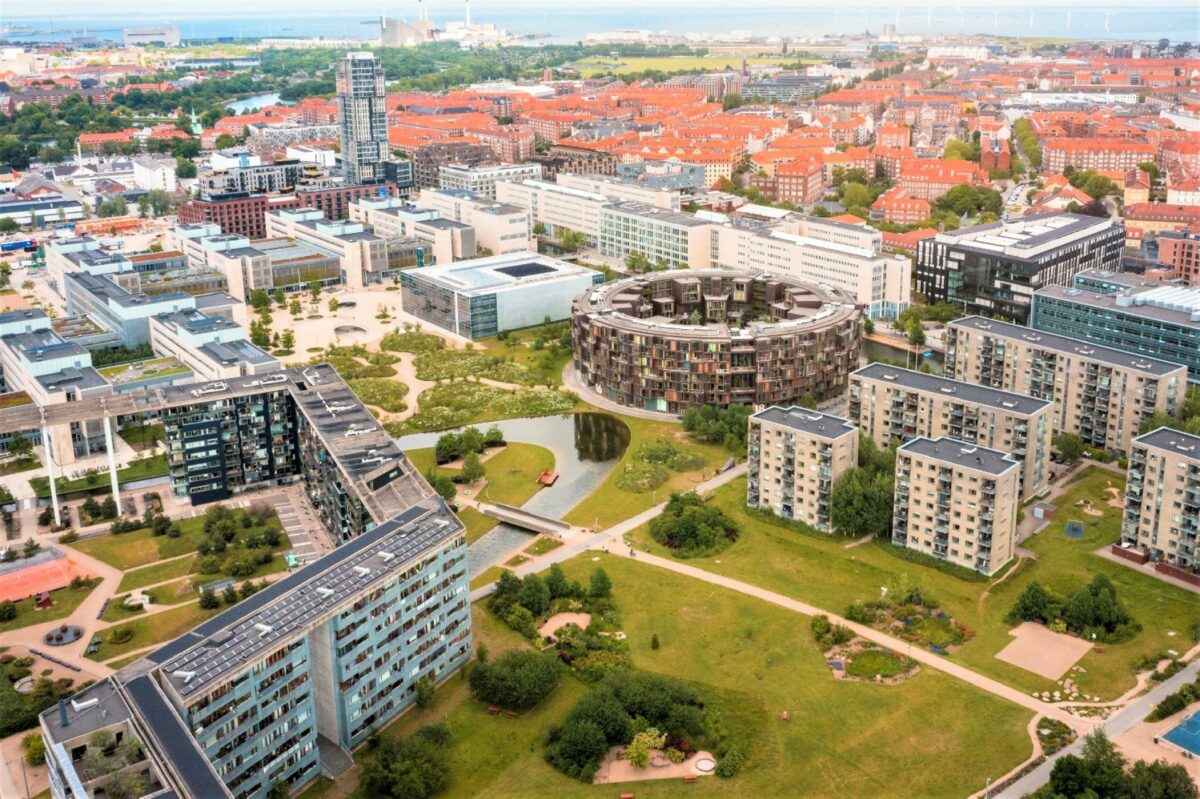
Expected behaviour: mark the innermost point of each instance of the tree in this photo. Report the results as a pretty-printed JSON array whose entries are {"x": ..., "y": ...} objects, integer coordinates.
[
  {"x": 637, "y": 262},
  {"x": 1160, "y": 780},
  {"x": 333, "y": 304},
  {"x": 692, "y": 526},
  {"x": 184, "y": 168},
  {"x": 473, "y": 470},
  {"x": 259, "y": 299},
  {"x": 294, "y": 308},
  {"x": 280, "y": 298},
  {"x": 719, "y": 425},
  {"x": 425, "y": 690},
  {"x": 534, "y": 595},
  {"x": 599, "y": 584},
  {"x": 260, "y": 335},
  {"x": 287, "y": 340},
  {"x": 8, "y": 610},
  {"x": 441, "y": 484},
  {"x": 19, "y": 446},
  {"x": 415, "y": 768},
  {"x": 314, "y": 290},
  {"x": 1069, "y": 446},
  {"x": 516, "y": 680},
  {"x": 208, "y": 600},
  {"x": 732, "y": 101},
  {"x": 9, "y": 225},
  {"x": 224, "y": 141},
  {"x": 861, "y": 503},
  {"x": 539, "y": 229},
  {"x": 568, "y": 239},
  {"x": 115, "y": 206},
  {"x": 916, "y": 335}
]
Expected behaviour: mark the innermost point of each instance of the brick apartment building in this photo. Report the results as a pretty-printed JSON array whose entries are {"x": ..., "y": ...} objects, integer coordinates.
[{"x": 1097, "y": 154}]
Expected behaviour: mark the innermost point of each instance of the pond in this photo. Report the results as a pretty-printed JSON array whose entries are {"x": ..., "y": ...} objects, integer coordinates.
[
  {"x": 875, "y": 351},
  {"x": 256, "y": 101},
  {"x": 586, "y": 447}
]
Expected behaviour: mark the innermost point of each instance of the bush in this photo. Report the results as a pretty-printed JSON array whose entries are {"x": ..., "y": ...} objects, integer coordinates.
[
  {"x": 727, "y": 425},
  {"x": 35, "y": 748},
  {"x": 69, "y": 537},
  {"x": 414, "y": 768},
  {"x": 121, "y": 635},
  {"x": 692, "y": 527},
  {"x": 516, "y": 680},
  {"x": 8, "y": 610}
]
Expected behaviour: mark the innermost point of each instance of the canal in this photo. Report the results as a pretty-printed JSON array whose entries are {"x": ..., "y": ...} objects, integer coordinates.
[
  {"x": 586, "y": 447},
  {"x": 877, "y": 351}
]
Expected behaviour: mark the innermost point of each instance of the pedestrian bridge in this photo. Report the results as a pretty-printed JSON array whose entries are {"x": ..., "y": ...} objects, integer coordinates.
[{"x": 532, "y": 522}]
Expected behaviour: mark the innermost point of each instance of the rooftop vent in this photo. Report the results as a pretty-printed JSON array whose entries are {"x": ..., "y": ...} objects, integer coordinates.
[
  {"x": 361, "y": 571},
  {"x": 186, "y": 676}
]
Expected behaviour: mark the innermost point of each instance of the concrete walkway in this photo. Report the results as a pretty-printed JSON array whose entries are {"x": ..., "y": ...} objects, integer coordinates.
[
  {"x": 1121, "y": 721},
  {"x": 84, "y": 616}
]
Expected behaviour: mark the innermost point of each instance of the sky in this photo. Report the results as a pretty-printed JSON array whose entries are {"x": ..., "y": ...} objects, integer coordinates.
[{"x": 172, "y": 9}]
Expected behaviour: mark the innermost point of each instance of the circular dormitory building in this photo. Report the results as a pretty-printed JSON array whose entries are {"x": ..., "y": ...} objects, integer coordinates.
[{"x": 668, "y": 341}]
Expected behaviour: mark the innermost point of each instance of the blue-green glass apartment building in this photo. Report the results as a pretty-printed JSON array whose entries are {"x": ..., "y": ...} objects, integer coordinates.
[{"x": 1127, "y": 314}]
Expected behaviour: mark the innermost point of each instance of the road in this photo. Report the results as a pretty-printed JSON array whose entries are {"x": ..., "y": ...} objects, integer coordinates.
[{"x": 1121, "y": 721}]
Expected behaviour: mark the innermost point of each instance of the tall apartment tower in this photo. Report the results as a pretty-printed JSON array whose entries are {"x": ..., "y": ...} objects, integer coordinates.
[
  {"x": 957, "y": 501},
  {"x": 894, "y": 405},
  {"x": 362, "y": 110},
  {"x": 1162, "y": 503},
  {"x": 795, "y": 456}
]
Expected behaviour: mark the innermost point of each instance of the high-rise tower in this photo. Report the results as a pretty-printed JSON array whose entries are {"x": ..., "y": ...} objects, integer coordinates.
[{"x": 363, "y": 109}]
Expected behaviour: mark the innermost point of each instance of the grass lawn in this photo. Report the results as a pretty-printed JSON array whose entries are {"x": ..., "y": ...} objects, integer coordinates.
[
  {"x": 14, "y": 465},
  {"x": 610, "y": 504},
  {"x": 750, "y": 661},
  {"x": 489, "y": 575},
  {"x": 822, "y": 572},
  {"x": 174, "y": 593},
  {"x": 512, "y": 473},
  {"x": 98, "y": 482},
  {"x": 318, "y": 789},
  {"x": 477, "y": 524},
  {"x": 141, "y": 547},
  {"x": 66, "y": 600},
  {"x": 546, "y": 365},
  {"x": 157, "y": 573},
  {"x": 543, "y": 545},
  {"x": 153, "y": 629},
  {"x": 142, "y": 437}
]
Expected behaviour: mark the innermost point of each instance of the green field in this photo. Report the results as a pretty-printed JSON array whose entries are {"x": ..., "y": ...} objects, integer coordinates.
[
  {"x": 157, "y": 573},
  {"x": 750, "y": 661},
  {"x": 511, "y": 473},
  {"x": 157, "y": 628},
  {"x": 822, "y": 572},
  {"x": 98, "y": 482},
  {"x": 610, "y": 504},
  {"x": 128, "y": 551},
  {"x": 174, "y": 593}
]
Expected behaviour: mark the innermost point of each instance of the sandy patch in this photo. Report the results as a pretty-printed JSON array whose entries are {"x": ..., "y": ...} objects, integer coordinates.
[
  {"x": 1115, "y": 498},
  {"x": 560, "y": 620},
  {"x": 613, "y": 769},
  {"x": 1046, "y": 653}
]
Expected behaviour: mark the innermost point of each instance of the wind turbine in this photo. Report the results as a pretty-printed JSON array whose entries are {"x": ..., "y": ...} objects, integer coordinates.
[
  {"x": 1068, "y": 20},
  {"x": 1106, "y": 15},
  {"x": 962, "y": 18}
]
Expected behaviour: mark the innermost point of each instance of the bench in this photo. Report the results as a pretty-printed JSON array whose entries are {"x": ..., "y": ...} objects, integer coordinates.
[
  {"x": 689, "y": 778},
  {"x": 510, "y": 714},
  {"x": 626, "y": 796},
  {"x": 494, "y": 710}
]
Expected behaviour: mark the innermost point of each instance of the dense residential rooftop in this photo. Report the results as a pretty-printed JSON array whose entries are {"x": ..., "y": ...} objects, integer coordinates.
[
  {"x": 822, "y": 425},
  {"x": 1074, "y": 346},
  {"x": 960, "y": 453},
  {"x": 952, "y": 389}
]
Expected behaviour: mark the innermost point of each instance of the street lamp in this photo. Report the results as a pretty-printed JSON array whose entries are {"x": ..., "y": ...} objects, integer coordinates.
[{"x": 987, "y": 786}]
